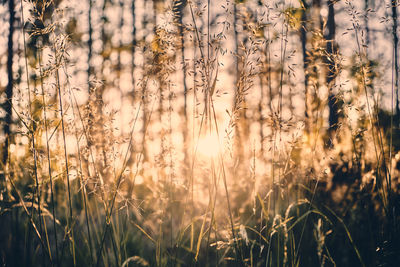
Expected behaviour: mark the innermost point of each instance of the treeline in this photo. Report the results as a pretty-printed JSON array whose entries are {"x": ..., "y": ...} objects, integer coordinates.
[{"x": 177, "y": 133}]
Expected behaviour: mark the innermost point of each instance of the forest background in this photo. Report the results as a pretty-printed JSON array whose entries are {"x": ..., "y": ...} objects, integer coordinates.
[{"x": 199, "y": 133}]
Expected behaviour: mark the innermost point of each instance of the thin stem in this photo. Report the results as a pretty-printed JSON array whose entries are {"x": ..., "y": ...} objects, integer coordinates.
[
  {"x": 31, "y": 131},
  {"x": 48, "y": 154},
  {"x": 70, "y": 230}
]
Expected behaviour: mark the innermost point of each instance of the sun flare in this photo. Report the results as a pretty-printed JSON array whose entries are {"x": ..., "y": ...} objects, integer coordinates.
[
  {"x": 209, "y": 146},
  {"x": 210, "y": 133}
]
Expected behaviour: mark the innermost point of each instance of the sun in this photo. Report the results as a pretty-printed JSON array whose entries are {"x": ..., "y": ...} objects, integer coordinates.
[{"x": 209, "y": 146}]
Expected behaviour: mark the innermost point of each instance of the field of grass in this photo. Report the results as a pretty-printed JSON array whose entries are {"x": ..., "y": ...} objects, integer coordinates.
[{"x": 199, "y": 133}]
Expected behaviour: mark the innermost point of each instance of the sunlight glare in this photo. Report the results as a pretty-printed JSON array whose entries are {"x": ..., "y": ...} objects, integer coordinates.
[{"x": 209, "y": 146}]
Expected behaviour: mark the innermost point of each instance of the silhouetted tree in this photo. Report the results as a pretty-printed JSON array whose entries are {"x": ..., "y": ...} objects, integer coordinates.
[
  {"x": 395, "y": 48},
  {"x": 331, "y": 49},
  {"x": 178, "y": 7},
  {"x": 90, "y": 44},
  {"x": 9, "y": 88}
]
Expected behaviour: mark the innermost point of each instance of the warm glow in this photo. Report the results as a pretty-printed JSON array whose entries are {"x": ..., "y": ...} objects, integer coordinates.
[{"x": 209, "y": 146}]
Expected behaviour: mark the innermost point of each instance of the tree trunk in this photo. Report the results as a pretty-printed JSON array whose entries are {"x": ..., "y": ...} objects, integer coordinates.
[
  {"x": 396, "y": 62},
  {"x": 133, "y": 48},
  {"x": 367, "y": 31},
  {"x": 9, "y": 88},
  {"x": 240, "y": 123},
  {"x": 303, "y": 40},
  {"x": 333, "y": 102},
  {"x": 178, "y": 14},
  {"x": 90, "y": 45},
  {"x": 143, "y": 89}
]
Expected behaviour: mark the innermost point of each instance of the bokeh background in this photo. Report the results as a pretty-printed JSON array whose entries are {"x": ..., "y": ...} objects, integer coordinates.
[{"x": 210, "y": 133}]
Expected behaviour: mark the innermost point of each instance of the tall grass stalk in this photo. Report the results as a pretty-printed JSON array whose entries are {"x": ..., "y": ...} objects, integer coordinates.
[
  {"x": 70, "y": 217},
  {"x": 48, "y": 155},
  {"x": 292, "y": 176},
  {"x": 31, "y": 130}
]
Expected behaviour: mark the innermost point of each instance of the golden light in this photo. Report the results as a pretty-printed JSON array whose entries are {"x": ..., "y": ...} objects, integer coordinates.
[{"x": 209, "y": 146}]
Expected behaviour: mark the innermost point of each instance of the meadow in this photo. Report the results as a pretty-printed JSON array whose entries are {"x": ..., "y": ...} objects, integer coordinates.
[{"x": 199, "y": 133}]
